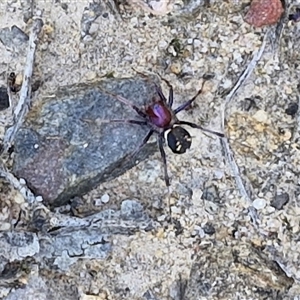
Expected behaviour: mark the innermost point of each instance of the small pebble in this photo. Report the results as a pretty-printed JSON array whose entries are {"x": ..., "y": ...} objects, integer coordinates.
[
  {"x": 176, "y": 210},
  {"x": 4, "y": 100},
  {"x": 295, "y": 16},
  {"x": 292, "y": 109},
  {"x": 90, "y": 75},
  {"x": 219, "y": 174},
  {"x": 161, "y": 218},
  {"x": 261, "y": 116},
  {"x": 19, "y": 199},
  {"x": 94, "y": 28},
  {"x": 209, "y": 229},
  {"x": 22, "y": 181},
  {"x": 259, "y": 203},
  {"x": 280, "y": 200},
  {"x": 105, "y": 198},
  {"x": 4, "y": 226},
  {"x": 175, "y": 68},
  {"x": 39, "y": 199},
  {"x": 264, "y": 12},
  {"x": 197, "y": 43}
]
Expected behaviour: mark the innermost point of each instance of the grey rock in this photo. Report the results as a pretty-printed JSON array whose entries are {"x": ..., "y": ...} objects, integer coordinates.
[
  {"x": 18, "y": 245},
  {"x": 35, "y": 289},
  {"x": 209, "y": 228},
  {"x": 64, "y": 240},
  {"x": 63, "y": 150},
  {"x": 13, "y": 37},
  {"x": 131, "y": 209},
  {"x": 4, "y": 100},
  {"x": 280, "y": 200},
  {"x": 90, "y": 14},
  {"x": 70, "y": 245},
  {"x": 192, "y": 8},
  {"x": 210, "y": 193}
]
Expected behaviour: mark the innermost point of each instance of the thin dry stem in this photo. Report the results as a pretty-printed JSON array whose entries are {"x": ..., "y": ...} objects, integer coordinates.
[
  {"x": 25, "y": 93},
  {"x": 224, "y": 141}
]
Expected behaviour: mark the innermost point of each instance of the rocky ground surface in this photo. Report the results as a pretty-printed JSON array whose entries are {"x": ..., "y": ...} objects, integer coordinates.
[{"x": 131, "y": 237}]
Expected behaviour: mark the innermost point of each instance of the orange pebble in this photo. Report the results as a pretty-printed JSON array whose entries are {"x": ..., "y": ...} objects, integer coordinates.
[{"x": 264, "y": 12}]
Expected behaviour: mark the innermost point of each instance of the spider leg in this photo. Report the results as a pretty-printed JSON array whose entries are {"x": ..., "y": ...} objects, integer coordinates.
[
  {"x": 164, "y": 159},
  {"x": 142, "y": 144},
  {"x": 171, "y": 93},
  {"x": 188, "y": 103},
  {"x": 219, "y": 134},
  {"x": 124, "y": 121},
  {"x": 128, "y": 103},
  {"x": 158, "y": 88},
  {"x": 160, "y": 93}
]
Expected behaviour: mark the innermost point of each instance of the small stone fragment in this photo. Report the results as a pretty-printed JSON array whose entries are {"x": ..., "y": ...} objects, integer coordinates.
[
  {"x": 175, "y": 68},
  {"x": 261, "y": 116},
  {"x": 131, "y": 209},
  {"x": 13, "y": 37},
  {"x": 295, "y": 16},
  {"x": 209, "y": 229},
  {"x": 156, "y": 7},
  {"x": 105, "y": 198},
  {"x": 292, "y": 109},
  {"x": 4, "y": 100},
  {"x": 4, "y": 226},
  {"x": 264, "y": 12},
  {"x": 210, "y": 193},
  {"x": 259, "y": 203},
  {"x": 280, "y": 200}
]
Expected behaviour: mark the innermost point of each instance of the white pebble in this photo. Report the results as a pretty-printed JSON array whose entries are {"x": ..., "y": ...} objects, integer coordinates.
[
  {"x": 162, "y": 45},
  {"x": 219, "y": 174},
  {"x": 105, "y": 198},
  {"x": 22, "y": 181},
  {"x": 261, "y": 116},
  {"x": 94, "y": 28},
  {"x": 176, "y": 210},
  {"x": 197, "y": 43},
  {"x": 161, "y": 218},
  {"x": 39, "y": 199},
  {"x": 259, "y": 203},
  {"x": 4, "y": 226},
  {"x": 19, "y": 199},
  {"x": 98, "y": 202}
]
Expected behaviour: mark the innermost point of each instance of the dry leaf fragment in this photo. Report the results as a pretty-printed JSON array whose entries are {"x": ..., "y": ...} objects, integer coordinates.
[{"x": 264, "y": 12}]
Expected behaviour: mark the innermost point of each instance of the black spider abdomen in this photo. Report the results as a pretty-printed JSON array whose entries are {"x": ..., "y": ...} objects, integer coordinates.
[{"x": 179, "y": 140}]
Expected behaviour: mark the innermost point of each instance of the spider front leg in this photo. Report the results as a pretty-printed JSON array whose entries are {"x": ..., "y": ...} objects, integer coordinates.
[
  {"x": 171, "y": 93},
  {"x": 219, "y": 134},
  {"x": 128, "y": 103},
  {"x": 142, "y": 144},
  {"x": 124, "y": 121},
  {"x": 188, "y": 103},
  {"x": 164, "y": 158}
]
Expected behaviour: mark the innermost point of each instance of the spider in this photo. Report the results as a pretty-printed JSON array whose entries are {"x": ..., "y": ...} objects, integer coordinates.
[{"x": 159, "y": 117}]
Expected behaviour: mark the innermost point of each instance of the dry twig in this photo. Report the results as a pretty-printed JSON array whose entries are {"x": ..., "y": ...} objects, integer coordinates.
[
  {"x": 228, "y": 152},
  {"x": 20, "y": 112},
  {"x": 25, "y": 93}
]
